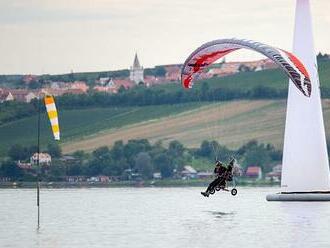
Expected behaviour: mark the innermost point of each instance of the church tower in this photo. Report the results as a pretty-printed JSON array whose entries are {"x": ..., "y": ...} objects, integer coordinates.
[{"x": 136, "y": 71}]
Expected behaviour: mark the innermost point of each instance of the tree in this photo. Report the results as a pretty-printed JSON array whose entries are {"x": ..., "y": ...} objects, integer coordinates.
[
  {"x": 10, "y": 169},
  {"x": 121, "y": 89},
  {"x": 80, "y": 155},
  {"x": 164, "y": 164},
  {"x": 17, "y": 152},
  {"x": 205, "y": 90},
  {"x": 101, "y": 159},
  {"x": 244, "y": 148},
  {"x": 35, "y": 84},
  {"x": 74, "y": 170},
  {"x": 175, "y": 149},
  {"x": 54, "y": 150},
  {"x": 205, "y": 149},
  {"x": 117, "y": 150},
  {"x": 102, "y": 152},
  {"x": 143, "y": 164},
  {"x": 57, "y": 172},
  {"x": 257, "y": 155},
  {"x": 133, "y": 147},
  {"x": 31, "y": 150}
]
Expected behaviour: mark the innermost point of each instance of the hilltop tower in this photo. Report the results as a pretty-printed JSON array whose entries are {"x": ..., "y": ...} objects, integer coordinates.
[{"x": 136, "y": 71}]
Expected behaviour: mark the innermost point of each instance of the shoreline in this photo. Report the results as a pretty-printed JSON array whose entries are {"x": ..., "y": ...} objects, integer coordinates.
[{"x": 133, "y": 184}]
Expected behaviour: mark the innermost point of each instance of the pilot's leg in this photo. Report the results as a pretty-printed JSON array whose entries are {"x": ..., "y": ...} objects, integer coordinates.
[{"x": 211, "y": 186}]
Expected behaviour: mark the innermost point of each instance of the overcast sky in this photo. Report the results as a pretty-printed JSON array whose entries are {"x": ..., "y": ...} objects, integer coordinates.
[{"x": 47, "y": 36}]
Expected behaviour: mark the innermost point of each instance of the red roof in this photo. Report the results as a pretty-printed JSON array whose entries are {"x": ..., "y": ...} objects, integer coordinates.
[
  {"x": 253, "y": 171},
  {"x": 74, "y": 91},
  {"x": 25, "y": 166},
  {"x": 3, "y": 95},
  {"x": 124, "y": 82}
]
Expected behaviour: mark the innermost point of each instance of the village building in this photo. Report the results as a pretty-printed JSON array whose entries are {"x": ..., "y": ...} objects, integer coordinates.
[
  {"x": 74, "y": 92},
  {"x": 99, "y": 179},
  {"x": 5, "y": 96},
  {"x": 61, "y": 91},
  {"x": 55, "y": 85},
  {"x": 205, "y": 174},
  {"x": 113, "y": 86},
  {"x": 173, "y": 73},
  {"x": 157, "y": 175},
  {"x": 5, "y": 179},
  {"x": 24, "y": 166},
  {"x": 106, "y": 89},
  {"x": 188, "y": 172},
  {"x": 110, "y": 83},
  {"x": 268, "y": 64},
  {"x": 149, "y": 80},
  {"x": 225, "y": 69},
  {"x": 79, "y": 85},
  {"x": 254, "y": 172},
  {"x": 103, "y": 81},
  {"x": 136, "y": 71},
  {"x": 22, "y": 95},
  {"x": 127, "y": 84},
  {"x": 75, "y": 179},
  {"x": 275, "y": 174},
  {"x": 44, "y": 159}
]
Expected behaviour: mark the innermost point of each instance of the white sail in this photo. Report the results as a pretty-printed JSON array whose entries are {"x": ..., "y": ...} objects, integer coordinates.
[{"x": 305, "y": 158}]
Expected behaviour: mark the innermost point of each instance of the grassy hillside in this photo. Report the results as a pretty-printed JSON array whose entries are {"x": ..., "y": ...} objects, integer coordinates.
[
  {"x": 79, "y": 123},
  {"x": 232, "y": 123}
]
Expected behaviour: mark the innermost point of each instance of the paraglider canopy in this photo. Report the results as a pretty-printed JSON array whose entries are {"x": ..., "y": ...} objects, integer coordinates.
[{"x": 208, "y": 53}]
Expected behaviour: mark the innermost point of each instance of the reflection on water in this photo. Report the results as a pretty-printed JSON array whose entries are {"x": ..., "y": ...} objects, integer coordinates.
[
  {"x": 159, "y": 217},
  {"x": 218, "y": 214}
]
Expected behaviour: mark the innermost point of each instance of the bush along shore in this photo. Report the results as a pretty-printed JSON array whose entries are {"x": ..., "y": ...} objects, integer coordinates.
[
  {"x": 136, "y": 163},
  {"x": 143, "y": 183}
]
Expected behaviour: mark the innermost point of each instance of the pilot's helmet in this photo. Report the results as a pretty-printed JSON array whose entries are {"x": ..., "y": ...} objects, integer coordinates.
[{"x": 218, "y": 163}]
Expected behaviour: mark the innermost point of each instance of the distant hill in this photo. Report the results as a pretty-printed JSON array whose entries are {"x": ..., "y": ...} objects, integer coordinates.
[
  {"x": 77, "y": 124},
  {"x": 232, "y": 123}
]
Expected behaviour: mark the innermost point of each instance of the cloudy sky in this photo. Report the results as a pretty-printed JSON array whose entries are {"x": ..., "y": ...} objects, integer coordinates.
[{"x": 47, "y": 36}]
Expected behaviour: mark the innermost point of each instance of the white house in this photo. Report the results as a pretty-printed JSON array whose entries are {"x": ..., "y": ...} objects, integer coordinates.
[
  {"x": 44, "y": 159},
  {"x": 188, "y": 172}
]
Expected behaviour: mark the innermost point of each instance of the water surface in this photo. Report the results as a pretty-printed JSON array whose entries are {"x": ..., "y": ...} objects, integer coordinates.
[{"x": 159, "y": 217}]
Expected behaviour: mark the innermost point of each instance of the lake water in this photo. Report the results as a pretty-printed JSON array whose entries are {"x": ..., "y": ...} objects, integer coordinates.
[{"x": 159, "y": 217}]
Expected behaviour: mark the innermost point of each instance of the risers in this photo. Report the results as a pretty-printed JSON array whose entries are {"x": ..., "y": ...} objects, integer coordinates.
[{"x": 300, "y": 196}]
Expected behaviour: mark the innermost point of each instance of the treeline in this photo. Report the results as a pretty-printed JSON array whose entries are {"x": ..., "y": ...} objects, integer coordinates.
[
  {"x": 10, "y": 111},
  {"x": 137, "y": 159},
  {"x": 88, "y": 77},
  {"x": 142, "y": 96}
]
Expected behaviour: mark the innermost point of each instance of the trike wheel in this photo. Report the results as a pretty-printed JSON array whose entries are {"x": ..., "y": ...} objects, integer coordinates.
[{"x": 233, "y": 191}]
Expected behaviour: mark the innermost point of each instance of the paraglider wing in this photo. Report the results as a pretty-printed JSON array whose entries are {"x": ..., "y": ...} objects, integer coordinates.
[
  {"x": 53, "y": 117},
  {"x": 208, "y": 53}
]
